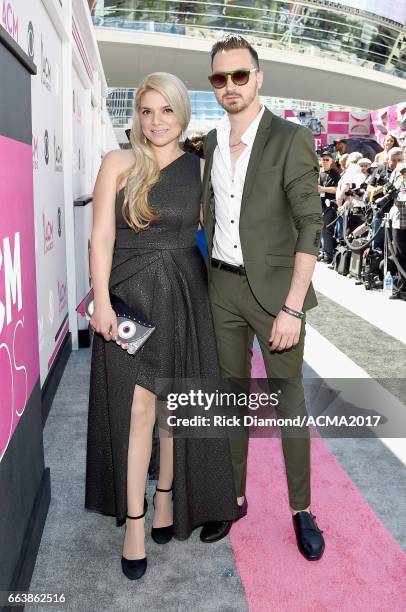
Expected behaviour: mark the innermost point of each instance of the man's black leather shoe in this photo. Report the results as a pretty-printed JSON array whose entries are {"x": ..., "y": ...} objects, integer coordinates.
[
  {"x": 308, "y": 535},
  {"x": 217, "y": 530}
]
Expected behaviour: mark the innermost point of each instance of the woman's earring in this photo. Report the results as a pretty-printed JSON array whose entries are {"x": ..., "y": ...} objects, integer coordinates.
[{"x": 145, "y": 140}]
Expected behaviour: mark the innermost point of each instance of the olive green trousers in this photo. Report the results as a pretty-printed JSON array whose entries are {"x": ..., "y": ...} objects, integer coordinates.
[{"x": 238, "y": 317}]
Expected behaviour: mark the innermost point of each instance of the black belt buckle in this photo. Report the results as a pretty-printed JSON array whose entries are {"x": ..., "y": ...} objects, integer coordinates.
[{"x": 222, "y": 265}]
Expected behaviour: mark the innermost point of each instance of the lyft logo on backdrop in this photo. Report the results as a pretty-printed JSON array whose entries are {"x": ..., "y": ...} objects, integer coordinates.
[
  {"x": 46, "y": 147},
  {"x": 58, "y": 155},
  {"x": 10, "y": 269},
  {"x": 62, "y": 296},
  {"x": 59, "y": 222},
  {"x": 45, "y": 68},
  {"x": 48, "y": 234},
  {"x": 10, "y": 19}
]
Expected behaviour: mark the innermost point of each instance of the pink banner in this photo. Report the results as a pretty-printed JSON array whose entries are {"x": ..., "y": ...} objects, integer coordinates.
[
  {"x": 19, "y": 361},
  {"x": 338, "y": 116},
  {"x": 338, "y": 128}
]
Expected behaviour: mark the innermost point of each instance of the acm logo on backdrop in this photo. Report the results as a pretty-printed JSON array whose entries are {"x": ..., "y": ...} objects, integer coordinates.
[
  {"x": 50, "y": 221},
  {"x": 10, "y": 20}
]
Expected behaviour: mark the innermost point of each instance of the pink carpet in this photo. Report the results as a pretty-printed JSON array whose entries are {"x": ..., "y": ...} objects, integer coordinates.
[{"x": 362, "y": 569}]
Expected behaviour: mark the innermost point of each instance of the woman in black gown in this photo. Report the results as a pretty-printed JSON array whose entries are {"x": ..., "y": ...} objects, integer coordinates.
[{"x": 143, "y": 248}]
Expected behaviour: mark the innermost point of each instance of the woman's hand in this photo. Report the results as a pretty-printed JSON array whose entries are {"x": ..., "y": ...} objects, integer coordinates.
[{"x": 104, "y": 322}]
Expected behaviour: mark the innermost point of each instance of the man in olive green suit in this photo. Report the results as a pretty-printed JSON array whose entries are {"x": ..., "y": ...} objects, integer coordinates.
[{"x": 262, "y": 219}]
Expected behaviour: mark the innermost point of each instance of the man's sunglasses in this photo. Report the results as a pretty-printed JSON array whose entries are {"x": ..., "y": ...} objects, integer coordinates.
[{"x": 238, "y": 77}]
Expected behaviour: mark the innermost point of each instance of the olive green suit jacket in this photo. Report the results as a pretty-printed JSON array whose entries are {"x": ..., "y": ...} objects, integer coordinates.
[{"x": 280, "y": 208}]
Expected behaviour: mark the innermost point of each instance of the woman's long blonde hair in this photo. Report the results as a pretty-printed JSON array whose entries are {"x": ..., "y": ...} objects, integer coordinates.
[{"x": 144, "y": 173}]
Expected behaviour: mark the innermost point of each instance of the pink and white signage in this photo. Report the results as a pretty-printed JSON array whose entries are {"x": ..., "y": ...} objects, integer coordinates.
[
  {"x": 331, "y": 125},
  {"x": 388, "y": 119},
  {"x": 19, "y": 359}
]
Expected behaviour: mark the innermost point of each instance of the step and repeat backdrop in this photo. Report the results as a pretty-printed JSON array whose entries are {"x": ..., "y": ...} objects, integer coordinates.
[
  {"x": 52, "y": 89},
  {"x": 37, "y": 32},
  {"x": 33, "y": 30},
  {"x": 19, "y": 362},
  {"x": 30, "y": 26}
]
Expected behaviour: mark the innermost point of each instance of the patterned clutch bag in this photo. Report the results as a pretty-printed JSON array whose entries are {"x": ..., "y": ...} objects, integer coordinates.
[{"x": 131, "y": 329}]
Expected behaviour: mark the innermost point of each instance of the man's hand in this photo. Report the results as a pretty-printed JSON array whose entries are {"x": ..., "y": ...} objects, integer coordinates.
[{"x": 285, "y": 331}]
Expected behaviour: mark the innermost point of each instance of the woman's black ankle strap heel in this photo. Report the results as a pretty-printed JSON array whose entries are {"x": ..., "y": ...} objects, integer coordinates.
[
  {"x": 162, "y": 535},
  {"x": 135, "y": 568}
]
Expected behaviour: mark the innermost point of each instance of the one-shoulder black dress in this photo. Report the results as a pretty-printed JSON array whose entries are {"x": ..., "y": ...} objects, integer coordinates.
[{"x": 160, "y": 273}]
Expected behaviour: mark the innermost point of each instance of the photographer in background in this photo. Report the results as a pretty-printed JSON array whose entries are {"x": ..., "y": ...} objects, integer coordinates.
[
  {"x": 328, "y": 181},
  {"x": 365, "y": 166},
  {"x": 352, "y": 178},
  {"x": 398, "y": 217},
  {"x": 383, "y": 175},
  {"x": 383, "y": 172}
]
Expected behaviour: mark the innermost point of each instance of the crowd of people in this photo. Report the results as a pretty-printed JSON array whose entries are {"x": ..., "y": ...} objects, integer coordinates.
[
  {"x": 356, "y": 185},
  {"x": 351, "y": 181}
]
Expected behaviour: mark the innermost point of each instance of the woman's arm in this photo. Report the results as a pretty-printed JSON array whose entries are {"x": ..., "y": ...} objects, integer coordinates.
[{"x": 104, "y": 320}]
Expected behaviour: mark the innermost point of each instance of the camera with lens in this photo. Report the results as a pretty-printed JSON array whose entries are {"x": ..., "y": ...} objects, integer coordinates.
[
  {"x": 381, "y": 177},
  {"x": 356, "y": 191},
  {"x": 390, "y": 195}
]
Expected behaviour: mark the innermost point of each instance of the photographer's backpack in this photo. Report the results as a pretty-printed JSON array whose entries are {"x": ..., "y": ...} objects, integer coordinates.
[
  {"x": 355, "y": 270},
  {"x": 372, "y": 275},
  {"x": 342, "y": 260}
]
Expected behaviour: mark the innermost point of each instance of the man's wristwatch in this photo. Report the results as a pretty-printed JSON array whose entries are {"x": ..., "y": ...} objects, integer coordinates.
[{"x": 295, "y": 313}]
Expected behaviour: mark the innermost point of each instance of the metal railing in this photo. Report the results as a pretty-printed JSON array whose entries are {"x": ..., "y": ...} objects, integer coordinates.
[
  {"x": 309, "y": 27},
  {"x": 120, "y": 104}
]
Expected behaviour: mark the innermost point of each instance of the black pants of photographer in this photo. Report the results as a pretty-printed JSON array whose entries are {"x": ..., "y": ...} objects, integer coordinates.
[
  {"x": 329, "y": 241},
  {"x": 399, "y": 246}
]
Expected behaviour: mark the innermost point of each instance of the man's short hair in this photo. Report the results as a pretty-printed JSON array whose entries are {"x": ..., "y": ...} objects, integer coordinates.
[
  {"x": 395, "y": 151},
  {"x": 354, "y": 157},
  {"x": 233, "y": 41}
]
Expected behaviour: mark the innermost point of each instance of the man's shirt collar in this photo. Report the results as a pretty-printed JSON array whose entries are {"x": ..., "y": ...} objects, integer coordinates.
[{"x": 248, "y": 137}]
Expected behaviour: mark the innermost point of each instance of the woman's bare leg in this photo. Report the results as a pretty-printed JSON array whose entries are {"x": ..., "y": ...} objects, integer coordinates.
[
  {"x": 163, "y": 515},
  {"x": 139, "y": 454}
]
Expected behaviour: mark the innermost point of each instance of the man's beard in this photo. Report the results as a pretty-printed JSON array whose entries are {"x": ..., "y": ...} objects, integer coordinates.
[
  {"x": 238, "y": 105},
  {"x": 234, "y": 106}
]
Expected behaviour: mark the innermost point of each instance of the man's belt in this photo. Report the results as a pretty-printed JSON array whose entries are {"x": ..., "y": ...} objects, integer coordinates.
[{"x": 222, "y": 265}]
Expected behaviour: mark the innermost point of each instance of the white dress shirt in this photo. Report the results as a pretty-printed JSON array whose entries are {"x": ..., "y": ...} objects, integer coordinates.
[{"x": 228, "y": 190}]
